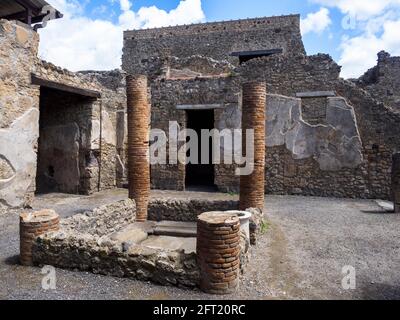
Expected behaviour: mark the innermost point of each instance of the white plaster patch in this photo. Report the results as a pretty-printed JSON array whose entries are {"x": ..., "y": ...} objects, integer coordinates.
[
  {"x": 334, "y": 146},
  {"x": 18, "y": 146},
  {"x": 108, "y": 133}
]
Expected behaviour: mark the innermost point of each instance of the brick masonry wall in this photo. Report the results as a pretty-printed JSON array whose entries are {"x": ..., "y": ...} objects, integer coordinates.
[
  {"x": 253, "y": 118},
  {"x": 218, "y": 252},
  {"x": 138, "y": 143},
  {"x": 32, "y": 225}
]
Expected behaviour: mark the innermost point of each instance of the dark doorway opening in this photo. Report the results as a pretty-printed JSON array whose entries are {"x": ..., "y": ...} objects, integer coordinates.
[
  {"x": 61, "y": 152},
  {"x": 200, "y": 175}
]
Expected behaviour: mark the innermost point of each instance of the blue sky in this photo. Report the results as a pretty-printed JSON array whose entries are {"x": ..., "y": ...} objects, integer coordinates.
[
  {"x": 351, "y": 31},
  {"x": 217, "y": 10}
]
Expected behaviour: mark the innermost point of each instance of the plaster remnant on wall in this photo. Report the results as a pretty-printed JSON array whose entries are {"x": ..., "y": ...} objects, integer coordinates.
[
  {"x": 108, "y": 133},
  {"x": 334, "y": 146},
  {"x": 18, "y": 146},
  {"x": 7, "y": 172}
]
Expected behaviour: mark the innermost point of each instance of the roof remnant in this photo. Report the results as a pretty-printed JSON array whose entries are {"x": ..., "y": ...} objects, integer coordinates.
[
  {"x": 29, "y": 11},
  {"x": 64, "y": 87}
]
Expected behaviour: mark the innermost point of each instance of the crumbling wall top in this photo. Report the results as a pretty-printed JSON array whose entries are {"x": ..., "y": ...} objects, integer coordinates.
[
  {"x": 212, "y": 27},
  {"x": 152, "y": 51}
]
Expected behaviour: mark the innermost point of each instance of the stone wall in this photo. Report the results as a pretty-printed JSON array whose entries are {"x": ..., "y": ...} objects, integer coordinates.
[
  {"x": 113, "y": 127},
  {"x": 186, "y": 210},
  {"x": 85, "y": 242},
  {"x": 96, "y": 119},
  {"x": 150, "y": 51},
  {"x": 373, "y": 122},
  {"x": 382, "y": 81},
  {"x": 19, "y": 114},
  {"x": 64, "y": 146},
  {"x": 338, "y": 145},
  {"x": 167, "y": 95}
]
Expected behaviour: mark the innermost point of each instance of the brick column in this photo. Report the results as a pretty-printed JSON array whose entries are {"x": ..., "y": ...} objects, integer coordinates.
[
  {"x": 32, "y": 225},
  {"x": 138, "y": 144},
  {"x": 252, "y": 187},
  {"x": 396, "y": 182},
  {"x": 218, "y": 252}
]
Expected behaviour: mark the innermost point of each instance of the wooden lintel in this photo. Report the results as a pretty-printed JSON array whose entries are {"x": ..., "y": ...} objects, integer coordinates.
[{"x": 64, "y": 87}]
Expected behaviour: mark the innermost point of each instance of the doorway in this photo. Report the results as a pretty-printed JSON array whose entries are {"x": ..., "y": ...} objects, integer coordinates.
[
  {"x": 63, "y": 126},
  {"x": 200, "y": 176}
]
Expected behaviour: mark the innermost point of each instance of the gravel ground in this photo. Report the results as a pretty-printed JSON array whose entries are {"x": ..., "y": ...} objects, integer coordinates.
[{"x": 301, "y": 256}]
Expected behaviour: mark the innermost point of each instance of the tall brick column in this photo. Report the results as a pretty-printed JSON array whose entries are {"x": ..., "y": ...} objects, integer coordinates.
[
  {"x": 218, "y": 252},
  {"x": 396, "y": 182},
  {"x": 32, "y": 225},
  {"x": 138, "y": 143},
  {"x": 252, "y": 187}
]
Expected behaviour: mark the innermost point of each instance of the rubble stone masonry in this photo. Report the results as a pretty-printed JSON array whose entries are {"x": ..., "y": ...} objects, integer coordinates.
[
  {"x": 396, "y": 182},
  {"x": 93, "y": 120},
  {"x": 151, "y": 51},
  {"x": 382, "y": 81}
]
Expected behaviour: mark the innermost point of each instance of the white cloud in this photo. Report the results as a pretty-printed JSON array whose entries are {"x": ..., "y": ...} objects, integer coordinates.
[
  {"x": 125, "y": 5},
  {"x": 316, "y": 22},
  {"x": 374, "y": 26},
  {"x": 362, "y": 9},
  {"x": 77, "y": 43},
  {"x": 359, "y": 53}
]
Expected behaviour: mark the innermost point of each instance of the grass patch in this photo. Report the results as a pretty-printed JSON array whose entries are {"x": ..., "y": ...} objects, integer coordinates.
[{"x": 265, "y": 226}]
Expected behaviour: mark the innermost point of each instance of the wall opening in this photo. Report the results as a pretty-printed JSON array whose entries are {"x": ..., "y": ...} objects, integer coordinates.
[
  {"x": 64, "y": 130},
  {"x": 200, "y": 175},
  {"x": 245, "y": 56}
]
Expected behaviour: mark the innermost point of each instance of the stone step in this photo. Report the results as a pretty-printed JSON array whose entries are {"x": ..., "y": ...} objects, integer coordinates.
[
  {"x": 176, "y": 229},
  {"x": 171, "y": 243}
]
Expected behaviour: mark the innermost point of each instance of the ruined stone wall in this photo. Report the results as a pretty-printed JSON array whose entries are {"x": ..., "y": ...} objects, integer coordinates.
[
  {"x": 103, "y": 159},
  {"x": 383, "y": 81},
  {"x": 66, "y": 160},
  {"x": 166, "y": 96},
  {"x": 376, "y": 128},
  {"x": 154, "y": 50},
  {"x": 112, "y": 115},
  {"x": 338, "y": 145},
  {"x": 19, "y": 114},
  {"x": 90, "y": 242},
  {"x": 19, "y": 117}
]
